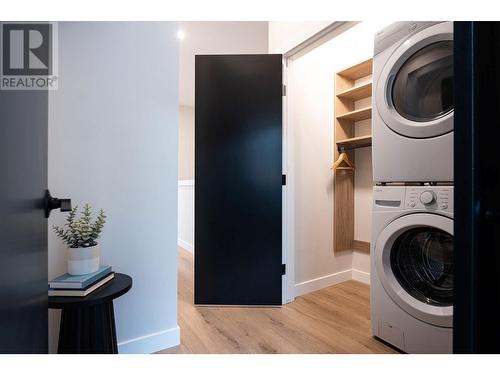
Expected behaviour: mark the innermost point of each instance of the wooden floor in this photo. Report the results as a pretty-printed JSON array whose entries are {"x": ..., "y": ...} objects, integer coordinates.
[{"x": 332, "y": 320}]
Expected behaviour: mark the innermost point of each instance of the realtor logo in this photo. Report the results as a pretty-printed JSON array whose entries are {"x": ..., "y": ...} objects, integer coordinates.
[{"x": 28, "y": 60}]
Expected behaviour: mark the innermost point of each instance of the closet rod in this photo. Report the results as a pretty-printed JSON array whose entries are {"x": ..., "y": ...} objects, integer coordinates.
[{"x": 353, "y": 147}]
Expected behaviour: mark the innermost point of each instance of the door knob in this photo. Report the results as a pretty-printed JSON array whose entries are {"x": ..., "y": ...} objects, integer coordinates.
[{"x": 51, "y": 203}]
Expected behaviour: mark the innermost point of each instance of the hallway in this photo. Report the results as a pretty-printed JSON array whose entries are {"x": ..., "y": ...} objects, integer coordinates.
[{"x": 333, "y": 320}]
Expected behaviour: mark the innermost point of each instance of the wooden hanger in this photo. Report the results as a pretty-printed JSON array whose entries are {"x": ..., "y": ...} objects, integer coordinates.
[{"x": 343, "y": 158}]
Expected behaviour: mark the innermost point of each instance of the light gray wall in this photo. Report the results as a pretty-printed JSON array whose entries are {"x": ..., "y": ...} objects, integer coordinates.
[{"x": 113, "y": 142}]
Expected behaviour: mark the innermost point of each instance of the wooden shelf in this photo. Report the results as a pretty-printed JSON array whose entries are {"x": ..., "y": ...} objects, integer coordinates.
[
  {"x": 356, "y": 115},
  {"x": 356, "y": 141},
  {"x": 347, "y": 92},
  {"x": 357, "y": 71},
  {"x": 357, "y": 92}
]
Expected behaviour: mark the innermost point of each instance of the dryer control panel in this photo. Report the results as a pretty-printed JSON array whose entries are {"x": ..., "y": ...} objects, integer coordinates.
[{"x": 429, "y": 198}]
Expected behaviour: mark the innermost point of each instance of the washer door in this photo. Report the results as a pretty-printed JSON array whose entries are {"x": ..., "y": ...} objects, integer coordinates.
[
  {"x": 414, "y": 261},
  {"x": 415, "y": 88}
]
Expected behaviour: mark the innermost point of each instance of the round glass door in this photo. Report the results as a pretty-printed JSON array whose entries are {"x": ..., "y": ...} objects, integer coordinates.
[
  {"x": 423, "y": 87},
  {"x": 422, "y": 262},
  {"x": 413, "y": 259},
  {"x": 413, "y": 91}
]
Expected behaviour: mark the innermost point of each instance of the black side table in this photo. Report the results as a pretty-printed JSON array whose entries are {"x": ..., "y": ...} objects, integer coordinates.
[{"x": 88, "y": 323}]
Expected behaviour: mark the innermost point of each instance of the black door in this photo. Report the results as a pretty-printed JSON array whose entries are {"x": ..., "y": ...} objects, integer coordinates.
[
  {"x": 238, "y": 179},
  {"x": 23, "y": 227},
  {"x": 477, "y": 180}
]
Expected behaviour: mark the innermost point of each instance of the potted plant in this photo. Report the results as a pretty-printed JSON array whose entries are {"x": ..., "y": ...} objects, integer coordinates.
[{"x": 81, "y": 234}]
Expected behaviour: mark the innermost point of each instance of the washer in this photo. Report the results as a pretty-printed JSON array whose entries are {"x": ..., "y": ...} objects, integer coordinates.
[
  {"x": 412, "y": 267},
  {"x": 412, "y": 116}
]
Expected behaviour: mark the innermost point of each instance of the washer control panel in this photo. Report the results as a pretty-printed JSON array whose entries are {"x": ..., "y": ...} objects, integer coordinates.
[{"x": 429, "y": 198}]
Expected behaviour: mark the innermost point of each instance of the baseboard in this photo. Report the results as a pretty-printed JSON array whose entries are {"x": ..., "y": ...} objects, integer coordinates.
[
  {"x": 361, "y": 276},
  {"x": 151, "y": 343},
  {"x": 322, "y": 282},
  {"x": 185, "y": 245}
]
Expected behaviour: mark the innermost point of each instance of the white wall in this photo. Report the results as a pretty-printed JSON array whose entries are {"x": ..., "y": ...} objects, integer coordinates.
[
  {"x": 113, "y": 142},
  {"x": 186, "y": 142},
  {"x": 310, "y": 79},
  {"x": 204, "y": 37},
  {"x": 185, "y": 216},
  {"x": 285, "y": 35},
  {"x": 311, "y": 117}
]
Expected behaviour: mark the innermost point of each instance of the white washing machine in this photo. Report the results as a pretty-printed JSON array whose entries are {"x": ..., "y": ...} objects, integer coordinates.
[
  {"x": 412, "y": 116},
  {"x": 412, "y": 267}
]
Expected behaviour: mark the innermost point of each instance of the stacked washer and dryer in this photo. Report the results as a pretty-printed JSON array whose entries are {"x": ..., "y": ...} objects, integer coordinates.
[{"x": 412, "y": 241}]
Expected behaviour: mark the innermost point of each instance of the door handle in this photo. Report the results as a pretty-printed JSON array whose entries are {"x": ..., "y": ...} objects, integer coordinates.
[{"x": 51, "y": 203}]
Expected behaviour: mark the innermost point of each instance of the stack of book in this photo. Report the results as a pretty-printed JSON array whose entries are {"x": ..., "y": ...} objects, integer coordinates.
[{"x": 82, "y": 285}]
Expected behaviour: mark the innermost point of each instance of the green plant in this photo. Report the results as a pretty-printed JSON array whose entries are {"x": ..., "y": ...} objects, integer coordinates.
[{"x": 81, "y": 232}]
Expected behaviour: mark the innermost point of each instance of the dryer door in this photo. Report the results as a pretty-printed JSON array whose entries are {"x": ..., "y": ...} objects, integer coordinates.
[
  {"x": 414, "y": 261},
  {"x": 415, "y": 88}
]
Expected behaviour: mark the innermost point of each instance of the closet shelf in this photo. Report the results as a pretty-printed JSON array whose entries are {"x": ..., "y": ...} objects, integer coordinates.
[
  {"x": 351, "y": 84},
  {"x": 356, "y": 142},
  {"x": 357, "y": 92},
  {"x": 357, "y": 115},
  {"x": 357, "y": 71}
]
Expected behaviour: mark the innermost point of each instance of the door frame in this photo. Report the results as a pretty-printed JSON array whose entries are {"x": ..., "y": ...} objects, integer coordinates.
[{"x": 288, "y": 207}]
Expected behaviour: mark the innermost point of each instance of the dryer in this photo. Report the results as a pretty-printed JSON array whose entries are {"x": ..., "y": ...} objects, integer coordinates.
[
  {"x": 412, "y": 267},
  {"x": 412, "y": 116}
]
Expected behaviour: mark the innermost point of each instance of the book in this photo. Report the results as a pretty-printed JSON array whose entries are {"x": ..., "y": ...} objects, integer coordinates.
[
  {"x": 80, "y": 292},
  {"x": 68, "y": 281}
]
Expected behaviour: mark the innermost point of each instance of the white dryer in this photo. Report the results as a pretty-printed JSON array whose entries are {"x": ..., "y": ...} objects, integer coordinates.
[
  {"x": 412, "y": 267},
  {"x": 412, "y": 116}
]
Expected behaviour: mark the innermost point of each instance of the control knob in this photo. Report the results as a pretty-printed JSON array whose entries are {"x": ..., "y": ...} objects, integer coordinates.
[{"x": 427, "y": 197}]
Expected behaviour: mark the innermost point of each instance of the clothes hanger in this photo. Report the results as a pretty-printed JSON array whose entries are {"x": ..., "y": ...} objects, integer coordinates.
[{"x": 343, "y": 158}]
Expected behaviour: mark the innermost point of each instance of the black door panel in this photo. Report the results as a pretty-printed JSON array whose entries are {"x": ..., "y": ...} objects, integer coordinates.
[
  {"x": 23, "y": 226},
  {"x": 238, "y": 175},
  {"x": 477, "y": 180}
]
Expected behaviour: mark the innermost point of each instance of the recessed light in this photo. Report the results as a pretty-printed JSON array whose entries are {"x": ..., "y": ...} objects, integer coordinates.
[{"x": 180, "y": 34}]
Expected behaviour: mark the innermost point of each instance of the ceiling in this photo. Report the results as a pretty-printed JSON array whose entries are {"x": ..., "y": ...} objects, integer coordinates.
[{"x": 216, "y": 38}]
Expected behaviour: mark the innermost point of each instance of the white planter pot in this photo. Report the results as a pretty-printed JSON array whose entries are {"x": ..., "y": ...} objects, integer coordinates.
[{"x": 83, "y": 260}]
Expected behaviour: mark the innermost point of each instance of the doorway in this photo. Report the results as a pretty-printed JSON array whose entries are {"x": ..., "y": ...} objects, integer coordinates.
[
  {"x": 231, "y": 322},
  {"x": 221, "y": 38}
]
